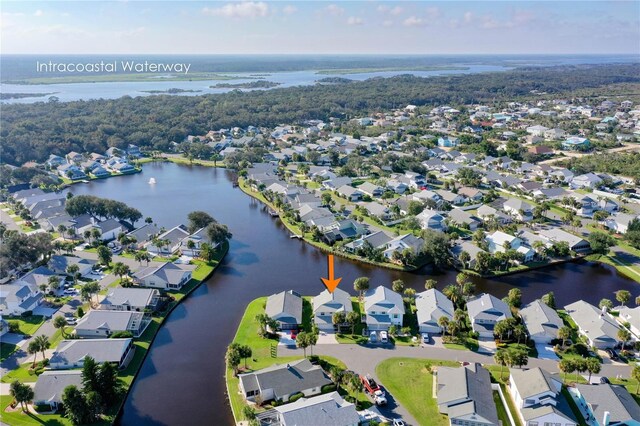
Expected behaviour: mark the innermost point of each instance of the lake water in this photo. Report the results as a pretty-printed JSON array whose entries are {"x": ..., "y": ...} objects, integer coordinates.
[
  {"x": 182, "y": 379},
  {"x": 114, "y": 90}
]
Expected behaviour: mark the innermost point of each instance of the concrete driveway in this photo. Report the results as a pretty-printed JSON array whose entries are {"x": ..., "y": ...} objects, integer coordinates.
[
  {"x": 487, "y": 346},
  {"x": 545, "y": 351}
]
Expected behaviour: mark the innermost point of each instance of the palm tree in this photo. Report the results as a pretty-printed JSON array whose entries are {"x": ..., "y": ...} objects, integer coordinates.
[
  {"x": 443, "y": 322},
  {"x": 60, "y": 323},
  {"x": 43, "y": 344},
  {"x": 62, "y": 229},
  {"x": 501, "y": 357},
  {"x": 33, "y": 349},
  {"x": 429, "y": 284},
  {"x": 453, "y": 293}
]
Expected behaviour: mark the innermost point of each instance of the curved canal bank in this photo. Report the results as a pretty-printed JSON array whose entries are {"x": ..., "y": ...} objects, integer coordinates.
[{"x": 182, "y": 378}]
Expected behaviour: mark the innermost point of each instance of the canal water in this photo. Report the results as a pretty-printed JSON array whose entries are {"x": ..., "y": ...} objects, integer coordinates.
[{"x": 182, "y": 379}]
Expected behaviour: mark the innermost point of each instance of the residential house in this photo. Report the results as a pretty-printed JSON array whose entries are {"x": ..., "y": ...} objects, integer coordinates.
[
  {"x": 328, "y": 409},
  {"x": 60, "y": 264},
  {"x": 620, "y": 222},
  {"x": 488, "y": 213},
  {"x": 280, "y": 382},
  {"x": 15, "y": 299},
  {"x": 377, "y": 210},
  {"x": 573, "y": 143},
  {"x": 451, "y": 197},
  {"x": 471, "y": 194},
  {"x": 447, "y": 142},
  {"x": 102, "y": 323},
  {"x": 109, "y": 229},
  {"x": 555, "y": 235},
  {"x": 350, "y": 193},
  {"x": 397, "y": 186},
  {"x": 431, "y": 219},
  {"x": 130, "y": 299},
  {"x": 55, "y": 160},
  {"x": 383, "y": 308},
  {"x": 71, "y": 354},
  {"x": 598, "y": 327},
  {"x": 401, "y": 243},
  {"x": 501, "y": 242},
  {"x": 587, "y": 180},
  {"x": 172, "y": 240},
  {"x": 377, "y": 240},
  {"x": 167, "y": 276},
  {"x": 465, "y": 395},
  {"x": 432, "y": 305},
  {"x": 197, "y": 239},
  {"x": 630, "y": 316},
  {"x": 536, "y": 393},
  {"x": 50, "y": 386},
  {"x": 520, "y": 210},
  {"x": 71, "y": 171},
  {"x": 326, "y": 304},
  {"x": 286, "y": 308},
  {"x": 470, "y": 248},
  {"x": 371, "y": 189},
  {"x": 608, "y": 405},
  {"x": 144, "y": 234},
  {"x": 541, "y": 321},
  {"x": 485, "y": 311},
  {"x": 464, "y": 219}
]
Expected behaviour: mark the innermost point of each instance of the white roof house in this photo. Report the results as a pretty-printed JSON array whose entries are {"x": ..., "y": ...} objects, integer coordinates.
[
  {"x": 432, "y": 305},
  {"x": 542, "y": 321},
  {"x": 326, "y": 304},
  {"x": 71, "y": 353},
  {"x": 485, "y": 311},
  {"x": 51, "y": 384},
  {"x": 167, "y": 276},
  {"x": 286, "y": 308},
  {"x": 103, "y": 323},
  {"x": 383, "y": 307},
  {"x": 130, "y": 299},
  {"x": 597, "y": 326},
  {"x": 328, "y": 409}
]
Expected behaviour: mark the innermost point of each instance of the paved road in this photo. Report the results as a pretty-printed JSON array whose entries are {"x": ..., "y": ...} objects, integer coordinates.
[{"x": 363, "y": 359}]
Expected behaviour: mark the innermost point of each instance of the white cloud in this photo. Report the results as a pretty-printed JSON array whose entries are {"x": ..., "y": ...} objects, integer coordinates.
[
  {"x": 247, "y": 9},
  {"x": 289, "y": 9},
  {"x": 130, "y": 33},
  {"x": 412, "y": 21},
  {"x": 433, "y": 13},
  {"x": 38, "y": 12},
  {"x": 387, "y": 23},
  {"x": 396, "y": 11},
  {"x": 12, "y": 15},
  {"x": 334, "y": 10},
  {"x": 468, "y": 17},
  {"x": 353, "y": 20}
]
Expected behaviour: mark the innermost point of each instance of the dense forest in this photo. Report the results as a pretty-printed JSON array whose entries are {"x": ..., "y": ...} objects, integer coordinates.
[{"x": 33, "y": 131}]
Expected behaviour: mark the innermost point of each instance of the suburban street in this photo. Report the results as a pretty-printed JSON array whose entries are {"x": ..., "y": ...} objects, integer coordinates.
[{"x": 363, "y": 359}]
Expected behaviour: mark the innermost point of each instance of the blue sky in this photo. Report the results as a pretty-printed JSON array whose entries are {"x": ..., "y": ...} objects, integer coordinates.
[{"x": 481, "y": 27}]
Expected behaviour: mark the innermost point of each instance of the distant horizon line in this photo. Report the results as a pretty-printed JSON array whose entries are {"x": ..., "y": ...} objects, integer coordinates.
[{"x": 328, "y": 54}]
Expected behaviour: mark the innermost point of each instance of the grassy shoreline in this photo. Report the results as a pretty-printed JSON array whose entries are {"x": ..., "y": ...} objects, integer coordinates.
[
  {"x": 324, "y": 247},
  {"x": 142, "y": 344}
]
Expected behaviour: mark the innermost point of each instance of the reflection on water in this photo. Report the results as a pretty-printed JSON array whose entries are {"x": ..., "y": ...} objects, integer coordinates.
[{"x": 181, "y": 381}]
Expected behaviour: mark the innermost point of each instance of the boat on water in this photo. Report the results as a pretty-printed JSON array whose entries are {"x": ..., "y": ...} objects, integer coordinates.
[{"x": 152, "y": 181}]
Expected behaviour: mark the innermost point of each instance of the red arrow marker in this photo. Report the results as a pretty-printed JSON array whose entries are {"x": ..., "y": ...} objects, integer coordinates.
[{"x": 331, "y": 283}]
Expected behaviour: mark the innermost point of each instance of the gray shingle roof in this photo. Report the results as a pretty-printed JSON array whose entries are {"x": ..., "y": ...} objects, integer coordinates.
[
  {"x": 612, "y": 398},
  {"x": 432, "y": 305},
  {"x": 382, "y": 296},
  {"x": 534, "y": 381},
  {"x": 129, "y": 296},
  {"x": 471, "y": 385},
  {"x": 168, "y": 271},
  {"x": 51, "y": 384},
  {"x": 286, "y": 306},
  {"x": 339, "y": 300},
  {"x": 285, "y": 379},
  {"x": 102, "y": 350},
  {"x": 540, "y": 318},
  {"x": 329, "y": 409},
  {"x": 487, "y": 306},
  {"x": 108, "y": 320},
  {"x": 592, "y": 321}
]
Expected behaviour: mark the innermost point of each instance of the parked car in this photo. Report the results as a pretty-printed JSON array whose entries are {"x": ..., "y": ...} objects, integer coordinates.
[
  {"x": 373, "y": 337},
  {"x": 612, "y": 354},
  {"x": 425, "y": 338},
  {"x": 70, "y": 291},
  {"x": 68, "y": 314},
  {"x": 604, "y": 380},
  {"x": 384, "y": 337},
  {"x": 398, "y": 422},
  {"x": 370, "y": 385},
  {"x": 71, "y": 321},
  {"x": 379, "y": 397}
]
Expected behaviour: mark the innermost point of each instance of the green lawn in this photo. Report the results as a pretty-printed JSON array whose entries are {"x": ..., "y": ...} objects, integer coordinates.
[
  {"x": 18, "y": 418},
  {"x": 468, "y": 345},
  {"x": 29, "y": 325},
  {"x": 264, "y": 354},
  {"x": 6, "y": 349},
  {"x": 23, "y": 374},
  {"x": 357, "y": 336},
  {"x": 411, "y": 384},
  {"x": 502, "y": 412}
]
